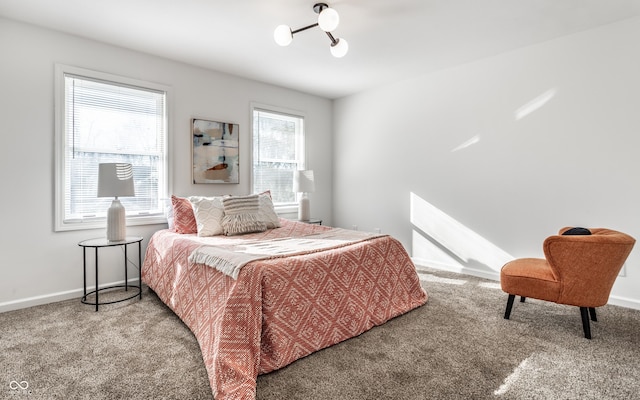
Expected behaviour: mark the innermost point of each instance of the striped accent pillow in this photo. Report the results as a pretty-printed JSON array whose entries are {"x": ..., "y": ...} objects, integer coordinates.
[{"x": 242, "y": 215}]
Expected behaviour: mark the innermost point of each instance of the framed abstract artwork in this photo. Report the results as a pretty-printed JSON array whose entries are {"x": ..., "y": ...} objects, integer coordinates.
[{"x": 215, "y": 151}]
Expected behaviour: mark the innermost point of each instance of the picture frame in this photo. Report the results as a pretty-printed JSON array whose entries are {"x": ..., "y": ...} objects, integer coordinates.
[{"x": 215, "y": 151}]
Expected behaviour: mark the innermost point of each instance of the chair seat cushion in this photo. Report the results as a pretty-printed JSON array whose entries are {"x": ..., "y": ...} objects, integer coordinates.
[{"x": 530, "y": 277}]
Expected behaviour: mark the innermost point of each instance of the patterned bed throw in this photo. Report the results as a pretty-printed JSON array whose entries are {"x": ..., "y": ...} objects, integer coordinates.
[{"x": 231, "y": 258}]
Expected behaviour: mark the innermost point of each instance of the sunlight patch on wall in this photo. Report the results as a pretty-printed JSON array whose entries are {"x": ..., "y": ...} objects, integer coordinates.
[
  {"x": 534, "y": 104},
  {"x": 431, "y": 254},
  {"x": 466, "y": 144},
  {"x": 440, "y": 240}
]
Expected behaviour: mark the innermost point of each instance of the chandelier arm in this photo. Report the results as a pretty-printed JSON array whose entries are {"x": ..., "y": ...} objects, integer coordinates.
[
  {"x": 304, "y": 29},
  {"x": 334, "y": 41}
]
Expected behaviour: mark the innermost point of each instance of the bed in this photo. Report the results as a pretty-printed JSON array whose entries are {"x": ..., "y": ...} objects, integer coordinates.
[{"x": 279, "y": 308}]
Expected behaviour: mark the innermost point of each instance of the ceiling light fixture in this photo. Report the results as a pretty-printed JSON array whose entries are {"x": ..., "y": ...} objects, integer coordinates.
[{"x": 328, "y": 20}]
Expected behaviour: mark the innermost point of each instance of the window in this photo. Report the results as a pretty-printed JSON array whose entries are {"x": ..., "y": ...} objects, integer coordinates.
[
  {"x": 278, "y": 150},
  {"x": 104, "y": 118}
]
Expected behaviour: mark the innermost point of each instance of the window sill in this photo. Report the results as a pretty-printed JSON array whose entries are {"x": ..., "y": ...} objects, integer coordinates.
[
  {"x": 288, "y": 209},
  {"x": 101, "y": 223}
]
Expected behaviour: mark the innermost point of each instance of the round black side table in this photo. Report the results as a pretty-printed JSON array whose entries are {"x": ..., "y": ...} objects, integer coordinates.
[{"x": 103, "y": 242}]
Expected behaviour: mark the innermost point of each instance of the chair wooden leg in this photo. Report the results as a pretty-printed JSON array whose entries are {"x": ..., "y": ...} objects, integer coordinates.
[
  {"x": 522, "y": 299},
  {"x": 584, "y": 313},
  {"x": 592, "y": 313},
  {"x": 510, "y": 300}
]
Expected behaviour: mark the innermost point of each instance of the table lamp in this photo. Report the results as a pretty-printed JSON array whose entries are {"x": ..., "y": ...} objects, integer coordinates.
[
  {"x": 303, "y": 183},
  {"x": 115, "y": 180}
]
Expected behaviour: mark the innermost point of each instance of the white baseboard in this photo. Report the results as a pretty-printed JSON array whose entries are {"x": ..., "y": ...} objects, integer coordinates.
[
  {"x": 77, "y": 293},
  {"x": 54, "y": 297},
  {"x": 614, "y": 300},
  {"x": 494, "y": 276},
  {"x": 624, "y": 302}
]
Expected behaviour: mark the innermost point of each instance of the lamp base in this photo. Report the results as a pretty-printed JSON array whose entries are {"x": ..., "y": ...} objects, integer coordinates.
[
  {"x": 116, "y": 224},
  {"x": 304, "y": 212}
]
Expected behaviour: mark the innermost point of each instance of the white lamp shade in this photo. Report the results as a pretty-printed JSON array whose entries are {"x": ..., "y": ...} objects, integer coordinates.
[
  {"x": 328, "y": 19},
  {"x": 282, "y": 35},
  {"x": 115, "y": 180},
  {"x": 303, "y": 181},
  {"x": 340, "y": 49}
]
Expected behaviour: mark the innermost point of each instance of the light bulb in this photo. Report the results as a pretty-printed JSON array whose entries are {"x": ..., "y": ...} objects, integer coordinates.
[
  {"x": 339, "y": 48},
  {"x": 328, "y": 19},
  {"x": 282, "y": 35}
]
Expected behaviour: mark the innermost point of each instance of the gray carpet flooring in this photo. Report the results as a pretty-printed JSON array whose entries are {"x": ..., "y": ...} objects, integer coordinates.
[{"x": 457, "y": 346}]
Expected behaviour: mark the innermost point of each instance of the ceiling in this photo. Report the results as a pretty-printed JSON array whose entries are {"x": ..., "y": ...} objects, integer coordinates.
[{"x": 389, "y": 40}]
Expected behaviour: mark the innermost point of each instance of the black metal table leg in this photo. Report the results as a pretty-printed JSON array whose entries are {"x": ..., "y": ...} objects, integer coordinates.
[
  {"x": 126, "y": 278},
  {"x": 97, "y": 302},
  {"x": 140, "y": 269},
  {"x": 84, "y": 271}
]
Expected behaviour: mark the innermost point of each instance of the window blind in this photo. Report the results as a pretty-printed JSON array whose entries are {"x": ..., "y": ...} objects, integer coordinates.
[
  {"x": 278, "y": 150},
  {"x": 112, "y": 122}
]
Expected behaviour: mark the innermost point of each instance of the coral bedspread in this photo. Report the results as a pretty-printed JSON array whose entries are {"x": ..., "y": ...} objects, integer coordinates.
[{"x": 278, "y": 310}]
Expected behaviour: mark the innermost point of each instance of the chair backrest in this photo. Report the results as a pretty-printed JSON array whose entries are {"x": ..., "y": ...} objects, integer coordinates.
[{"x": 587, "y": 265}]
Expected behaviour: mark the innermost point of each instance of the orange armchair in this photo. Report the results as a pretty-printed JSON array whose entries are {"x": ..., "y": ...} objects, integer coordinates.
[{"x": 578, "y": 270}]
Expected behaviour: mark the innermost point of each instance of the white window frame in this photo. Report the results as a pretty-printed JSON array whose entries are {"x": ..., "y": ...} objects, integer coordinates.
[
  {"x": 292, "y": 207},
  {"x": 90, "y": 222}
]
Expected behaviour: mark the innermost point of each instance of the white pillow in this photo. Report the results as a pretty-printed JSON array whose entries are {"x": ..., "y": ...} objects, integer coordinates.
[
  {"x": 267, "y": 212},
  {"x": 209, "y": 213}
]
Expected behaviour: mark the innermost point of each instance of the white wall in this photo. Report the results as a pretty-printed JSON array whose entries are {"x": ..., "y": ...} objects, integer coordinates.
[
  {"x": 449, "y": 164},
  {"x": 38, "y": 265}
]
